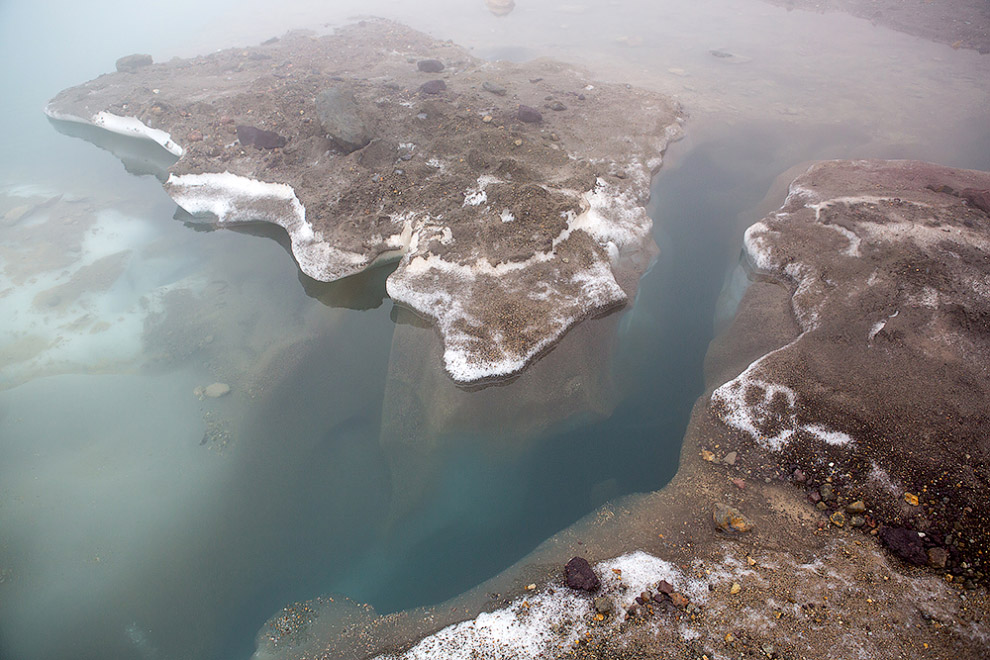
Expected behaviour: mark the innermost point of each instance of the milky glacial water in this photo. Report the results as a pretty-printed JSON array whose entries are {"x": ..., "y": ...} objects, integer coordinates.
[{"x": 140, "y": 521}]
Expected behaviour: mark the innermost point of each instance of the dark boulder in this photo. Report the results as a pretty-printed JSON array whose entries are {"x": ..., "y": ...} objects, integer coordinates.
[
  {"x": 260, "y": 138},
  {"x": 433, "y": 87},
  {"x": 578, "y": 574},
  {"x": 905, "y": 543},
  {"x": 430, "y": 66},
  {"x": 341, "y": 119},
  {"x": 529, "y": 115},
  {"x": 131, "y": 63}
]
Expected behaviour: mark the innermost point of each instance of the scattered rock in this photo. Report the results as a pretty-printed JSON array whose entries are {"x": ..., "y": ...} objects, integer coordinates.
[
  {"x": 529, "y": 115},
  {"x": 487, "y": 119},
  {"x": 557, "y": 106},
  {"x": 679, "y": 599},
  {"x": 603, "y": 605},
  {"x": 430, "y": 66},
  {"x": 735, "y": 588},
  {"x": 730, "y": 458},
  {"x": 433, "y": 87},
  {"x": 730, "y": 520},
  {"x": 707, "y": 455},
  {"x": 827, "y": 492},
  {"x": 799, "y": 476},
  {"x": 857, "y": 507},
  {"x": 815, "y": 497},
  {"x": 579, "y": 575},
  {"x": 497, "y": 90},
  {"x": 937, "y": 557},
  {"x": 905, "y": 543},
  {"x": 194, "y": 136},
  {"x": 341, "y": 119},
  {"x": 857, "y": 521},
  {"x": 131, "y": 63},
  {"x": 838, "y": 519},
  {"x": 739, "y": 483},
  {"x": 911, "y": 499},
  {"x": 251, "y": 136},
  {"x": 665, "y": 587}
]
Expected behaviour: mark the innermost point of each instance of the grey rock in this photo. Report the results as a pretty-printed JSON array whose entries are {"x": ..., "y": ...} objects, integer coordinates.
[
  {"x": 131, "y": 63},
  {"x": 603, "y": 605},
  {"x": 341, "y": 118},
  {"x": 827, "y": 492},
  {"x": 430, "y": 66},
  {"x": 433, "y": 87},
  {"x": 497, "y": 90},
  {"x": 730, "y": 458},
  {"x": 529, "y": 115}
]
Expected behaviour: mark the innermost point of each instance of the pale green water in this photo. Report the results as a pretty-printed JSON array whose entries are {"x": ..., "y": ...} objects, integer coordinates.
[{"x": 341, "y": 461}]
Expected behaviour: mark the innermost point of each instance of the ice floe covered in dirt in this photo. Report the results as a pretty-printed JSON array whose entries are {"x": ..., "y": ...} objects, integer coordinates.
[{"x": 513, "y": 215}]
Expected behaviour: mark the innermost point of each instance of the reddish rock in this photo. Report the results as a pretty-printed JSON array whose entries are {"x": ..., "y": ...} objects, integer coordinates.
[{"x": 579, "y": 575}]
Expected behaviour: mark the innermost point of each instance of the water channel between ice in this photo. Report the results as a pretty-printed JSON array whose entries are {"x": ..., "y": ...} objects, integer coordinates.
[{"x": 138, "y": 520}]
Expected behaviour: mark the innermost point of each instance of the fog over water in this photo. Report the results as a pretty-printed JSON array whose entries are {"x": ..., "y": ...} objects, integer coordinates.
[{"x": 138, "y": 520}]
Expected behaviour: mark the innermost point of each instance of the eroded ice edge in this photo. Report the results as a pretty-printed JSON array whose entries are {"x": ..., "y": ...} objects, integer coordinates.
[
  {"x": 763, "y": 409},
  {"x": 127, "y": 126},
  {"x": 431, "y": 285},
  {"x": 547, "y": 622}
]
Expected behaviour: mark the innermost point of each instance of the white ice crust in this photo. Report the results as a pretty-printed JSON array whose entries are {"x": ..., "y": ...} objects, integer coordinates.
[
  {"x": 550, "y": 621},
  {"x": 436, "y": 287},
  {"x": 129, "y": 126},
  {"x": 233, "y": 198}
]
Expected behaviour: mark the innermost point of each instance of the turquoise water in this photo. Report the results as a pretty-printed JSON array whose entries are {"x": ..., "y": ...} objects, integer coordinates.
[{"x": 138, "y": 520}]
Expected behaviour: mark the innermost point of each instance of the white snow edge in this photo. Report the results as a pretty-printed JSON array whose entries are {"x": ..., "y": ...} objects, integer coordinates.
[
  {"x": 128, "y": 126},
  {"x": 551, "y": 620}
]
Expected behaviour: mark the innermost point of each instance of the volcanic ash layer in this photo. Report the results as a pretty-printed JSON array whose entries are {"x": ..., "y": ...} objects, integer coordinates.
[{"x": 512, "y": 194}]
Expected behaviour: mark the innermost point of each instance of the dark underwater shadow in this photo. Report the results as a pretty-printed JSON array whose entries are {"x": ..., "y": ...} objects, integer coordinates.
[{"x": 139, "y": 157}]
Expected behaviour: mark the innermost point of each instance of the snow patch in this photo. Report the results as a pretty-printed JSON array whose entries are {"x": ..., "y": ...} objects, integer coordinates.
[
  {"x": 233, "y": 198},
  {"x": 767, "y": 411},
  {"x": 546, "y": 623},
  {"x": 129, "y": 126}
]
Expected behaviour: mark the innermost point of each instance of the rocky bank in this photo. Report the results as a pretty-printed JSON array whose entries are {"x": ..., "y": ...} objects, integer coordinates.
[{"x": 831, "y": 500}]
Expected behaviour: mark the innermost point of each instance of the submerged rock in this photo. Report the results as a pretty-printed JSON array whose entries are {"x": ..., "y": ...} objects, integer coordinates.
[
  {"x": 505, "y": 238},
  {"x": 500, "y": 7}
]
